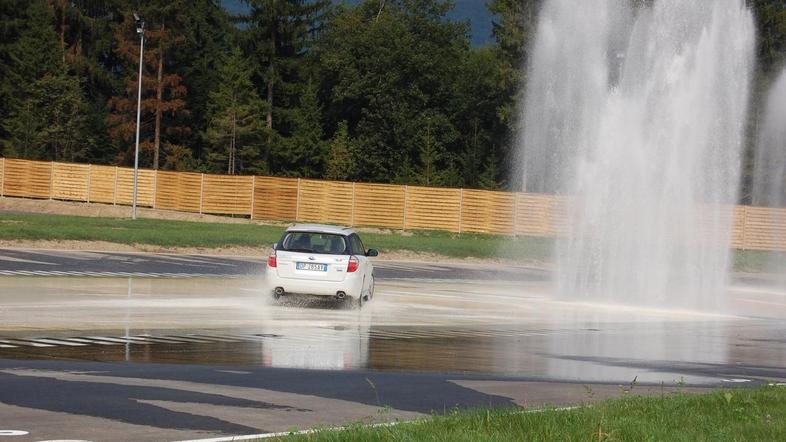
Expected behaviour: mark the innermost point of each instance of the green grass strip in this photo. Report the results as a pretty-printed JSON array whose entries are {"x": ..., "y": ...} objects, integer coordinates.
[
  {"x": 167, "y": 233},
  {"x": 737, "y": 415}
]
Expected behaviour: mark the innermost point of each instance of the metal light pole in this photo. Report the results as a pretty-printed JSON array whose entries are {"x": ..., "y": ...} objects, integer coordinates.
[{"x": 140, "y": 29}]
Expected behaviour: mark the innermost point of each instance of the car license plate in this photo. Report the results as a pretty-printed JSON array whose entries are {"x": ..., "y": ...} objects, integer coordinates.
[{"x": 311, "y": 266}]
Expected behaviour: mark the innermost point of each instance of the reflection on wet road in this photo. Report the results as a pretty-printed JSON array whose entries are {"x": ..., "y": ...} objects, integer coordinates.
[
  {"x": 180, "y": 347},
  {"x": 500, "y": 328}
]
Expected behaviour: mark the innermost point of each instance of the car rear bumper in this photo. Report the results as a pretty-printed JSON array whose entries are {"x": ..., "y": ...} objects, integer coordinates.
[{"x": 351, "y": 285}]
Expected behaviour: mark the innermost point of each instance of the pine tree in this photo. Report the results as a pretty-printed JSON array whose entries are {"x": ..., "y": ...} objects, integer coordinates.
[
  {"x": 48, "y": 112},
  {"x": 340, "y": 163},
  {"x": 85, "y": 36},
  {"x": 37, "y": 51},
  {"x": 235, "y": 129},
  {"x": 489, "y": 179},
  {"x": 51, "y": 123},
  {"x": 278, "y": 36},
  {"x": 513, "y": 31},
  {"x": 430, "y": 154},
  {"x": 479, "y": 95},
  {"x": 771, "y": 35},
  {"x": 14, "y": 17},
  {"x": 390, "y": 72},
  {"x": 304, "y": 149},
  {"x": 208, "y": 37}
]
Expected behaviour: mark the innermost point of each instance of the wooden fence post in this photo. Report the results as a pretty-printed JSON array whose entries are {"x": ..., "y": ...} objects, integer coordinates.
[
  {"x": 515, "y": 223},
  {"x": 253, "y": 194},
  {"x": 155, "y": 188},
  {"x": 2, "y": 183},
  {"x": 404, "y": 225},
  {"x": 461, "y": 209},
  {"x": 201, "y": 191},
  {"x": 51, "y": 179},
  {"x": 114, "y": 194},
  {"x": 744, "y": 228},
  {"x": 297, "y": 202},
  {"x": 352, "y": 221},
  {"x": 89, "y": 180}
]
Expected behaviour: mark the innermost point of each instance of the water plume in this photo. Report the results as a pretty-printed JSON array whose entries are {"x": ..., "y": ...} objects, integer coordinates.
[
  {"x": 769, "y": 175},
  {"x": 636, "y": 114}
]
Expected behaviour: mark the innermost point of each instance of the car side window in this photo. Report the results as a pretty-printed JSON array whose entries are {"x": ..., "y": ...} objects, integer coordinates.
[{"x": 357, "y": 245}]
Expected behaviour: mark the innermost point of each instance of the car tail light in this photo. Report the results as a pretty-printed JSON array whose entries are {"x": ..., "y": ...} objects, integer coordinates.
[
  {"x": 271, "y": 260},
  {"x": 353, "y": 264}
]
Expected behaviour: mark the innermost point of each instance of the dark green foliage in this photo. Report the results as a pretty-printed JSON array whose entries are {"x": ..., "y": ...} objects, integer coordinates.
[
  {"x": 513, "y": 31},
  {"x": 277, "y": 39},
  {"x": 208, "y": 35},
  {"x": 51, "y": 123},
  {"x": 340, "y": 163},
  {"x": 369, "y": 90},
  {"x": 235, "y": 128},
  {"x": 483, "y": 100},
  {"x": 12, "y": 20},
  {"x": 47, "y": 116},
  {"x": 28, "y": 51},
  {"x": 37, "y": 52},
  {"x": 390, "y": 74},
  {"x": 771, "y": 42},
  {"x": 770, "y": 18},
  {"x": 303, "y": 152}
]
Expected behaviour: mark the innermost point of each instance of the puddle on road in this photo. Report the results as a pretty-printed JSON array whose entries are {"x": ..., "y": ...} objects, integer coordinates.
[{"x": 467, "y": 327}]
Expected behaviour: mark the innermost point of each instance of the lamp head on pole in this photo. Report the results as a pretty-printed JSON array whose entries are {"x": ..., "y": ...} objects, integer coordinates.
[{"x": 140, "y": 24}]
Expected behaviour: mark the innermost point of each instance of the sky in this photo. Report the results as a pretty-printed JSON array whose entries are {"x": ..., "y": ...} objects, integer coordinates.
[{"x": 473, "y": 10}]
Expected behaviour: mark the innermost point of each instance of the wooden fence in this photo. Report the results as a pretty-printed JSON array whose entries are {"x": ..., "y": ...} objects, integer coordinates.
[{"x": 354, "y": 204}]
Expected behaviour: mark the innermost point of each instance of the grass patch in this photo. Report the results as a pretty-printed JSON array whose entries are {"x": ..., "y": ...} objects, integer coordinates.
[
  {"x": 737, "y": 415},
  {"x": 758, "y": 261},
  {"x": 163, "y": 233},
  {"x": 167, "y": 233},
  {"x": 464, "y": 245}
]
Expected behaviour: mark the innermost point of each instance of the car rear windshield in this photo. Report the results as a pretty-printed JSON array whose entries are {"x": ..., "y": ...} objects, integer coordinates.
[{"x": 314, "y": 242}]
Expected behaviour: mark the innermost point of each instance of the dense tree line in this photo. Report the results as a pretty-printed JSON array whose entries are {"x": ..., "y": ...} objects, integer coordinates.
[{"x": 380, "y": 90}]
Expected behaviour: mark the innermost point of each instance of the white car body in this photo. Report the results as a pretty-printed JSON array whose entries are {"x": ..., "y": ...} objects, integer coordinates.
[{"x": 321, "y": 268}]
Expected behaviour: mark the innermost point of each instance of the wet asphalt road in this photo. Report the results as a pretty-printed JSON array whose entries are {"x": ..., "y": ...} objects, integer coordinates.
[
  {"x": 169, "y": 347},
  {"x": 99, "y": 401},
  {"x": 20, "y": 262}
]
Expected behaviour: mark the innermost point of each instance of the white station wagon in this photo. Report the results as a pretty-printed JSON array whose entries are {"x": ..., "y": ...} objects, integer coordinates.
[{"x": 323, "y": 260}]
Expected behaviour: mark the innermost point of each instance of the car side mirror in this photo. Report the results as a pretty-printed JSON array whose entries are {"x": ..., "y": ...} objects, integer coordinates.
[
  {"x": 275, "y": 246},
  {"x": 372, "y": 252}
]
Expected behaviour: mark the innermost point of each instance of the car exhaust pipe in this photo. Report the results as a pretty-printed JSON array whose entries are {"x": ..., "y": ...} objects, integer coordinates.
[
  {"x": 278, "y": 292},
  {"x": 341, "y": 295}
]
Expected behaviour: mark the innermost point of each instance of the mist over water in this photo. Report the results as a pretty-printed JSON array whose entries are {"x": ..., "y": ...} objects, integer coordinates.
[
  {"x": 769, "y": 176},
  {"x": 637, "y": 114}
]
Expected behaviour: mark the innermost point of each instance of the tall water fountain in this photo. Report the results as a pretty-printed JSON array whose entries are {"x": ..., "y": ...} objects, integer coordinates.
[
  {"x": 636, "y": 114},
  {"x": 769, "y": 175}
]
